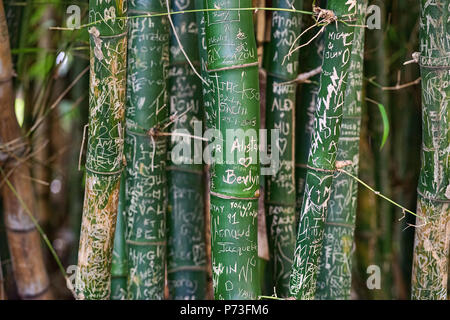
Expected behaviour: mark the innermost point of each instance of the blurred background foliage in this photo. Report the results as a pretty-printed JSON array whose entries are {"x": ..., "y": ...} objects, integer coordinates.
[{"x": 51, "y": 105}]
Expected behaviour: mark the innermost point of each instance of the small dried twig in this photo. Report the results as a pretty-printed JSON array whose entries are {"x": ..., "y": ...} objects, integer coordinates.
[
  {"x": 303, "y": 77},
  {"x": 325, "y": 17}
]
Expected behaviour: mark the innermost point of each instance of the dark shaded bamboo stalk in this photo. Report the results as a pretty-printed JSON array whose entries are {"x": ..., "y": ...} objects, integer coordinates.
[
  {"x": 405, "y": 137},
  {"x": 335, "y": 270},
  {"x": 2, "y": 281},
  {"x": 186, "y": 256},
  {"x": 104, "y": 157},
  {"x": 146, "y": 150},
  {"x": 431, "y": 246},
  {"x": 233, "y": 70},
  {"x": 280, "y": 192},
  {"x": 23, "y": 239},
  {"x": 366, "y": 235},
  {"x": 376, "y": 67},
  {"x": 209, "y": 122},
  {"x": 75, "y": 186},
  {"x": 322, "y": 155},
  {"x": 263, "y": 242}
]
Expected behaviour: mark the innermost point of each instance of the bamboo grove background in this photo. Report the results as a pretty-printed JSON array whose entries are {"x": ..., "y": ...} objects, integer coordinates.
[{"x": 91, "y": 206}]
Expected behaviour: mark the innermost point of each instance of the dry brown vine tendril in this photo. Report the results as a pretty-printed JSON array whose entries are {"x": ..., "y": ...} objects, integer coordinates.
[{"x": 321, "y": 16}]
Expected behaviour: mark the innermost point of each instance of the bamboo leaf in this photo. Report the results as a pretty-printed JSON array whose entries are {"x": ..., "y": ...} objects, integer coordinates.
[{"x": 385, "y": 119}]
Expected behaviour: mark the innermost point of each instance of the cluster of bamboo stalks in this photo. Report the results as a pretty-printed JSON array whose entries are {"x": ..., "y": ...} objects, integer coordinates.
[{"x": 153, "y": 229}]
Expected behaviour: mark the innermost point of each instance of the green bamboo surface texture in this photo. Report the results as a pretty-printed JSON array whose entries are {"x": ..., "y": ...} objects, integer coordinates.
[
  {"x": 280, "y": 195},
  {"x": 375, "y": 66},
  {"x": 186, "y": 256},
  {"x": 207, "y": 87},
  {"x": 310, "y": 57},
  {"x": 323, "y": 152},
  {"x": 119, "y": 268},
  {"x": 431, "y": 246},
  {"x": 146, "y": 150},
  {"x": 335, "y": 269},
  {"x": 104, "y": 158},
  {"x": 233, "y": 70}
]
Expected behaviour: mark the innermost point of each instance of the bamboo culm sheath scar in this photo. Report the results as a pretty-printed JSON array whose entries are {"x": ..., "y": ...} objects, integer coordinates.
[
  {"x": 232, "y": 67},
  {"x": 322, "y": 156}
]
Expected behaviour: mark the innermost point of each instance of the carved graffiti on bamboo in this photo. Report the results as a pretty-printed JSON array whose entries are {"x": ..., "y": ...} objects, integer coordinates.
[
  {"x": 104, "y": 149},
  {"x": 431, "y": 246},
  {"x": 145, "y": 152},
  {"x": 322, "y": 154},
  {"x": 234, "y": 94}
]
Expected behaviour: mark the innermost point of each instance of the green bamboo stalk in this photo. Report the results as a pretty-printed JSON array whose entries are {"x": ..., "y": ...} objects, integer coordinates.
[
  {"x": 377, "y": 67},
  {"x": 119, "y": 267},
  {"x": 280, "y": 192},
  {"x": 186, "y": 256},
  {"x": 209, "y": 115},
  {"x": 335, "y": 270},
  {"x": 104, "y": 159},
  {"x": 322, "y": 156},
  {"x": 233, "y": 68},
  {"x": 145, "y": 150},
  {"x": 431, "y": 246},
  {"x": 310, "y": 57}
]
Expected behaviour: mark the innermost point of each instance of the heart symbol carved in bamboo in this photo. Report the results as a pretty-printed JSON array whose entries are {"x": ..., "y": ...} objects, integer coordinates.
[
  {"x": 245, "y": 161},
  {"x": 281, "y": 144}
]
